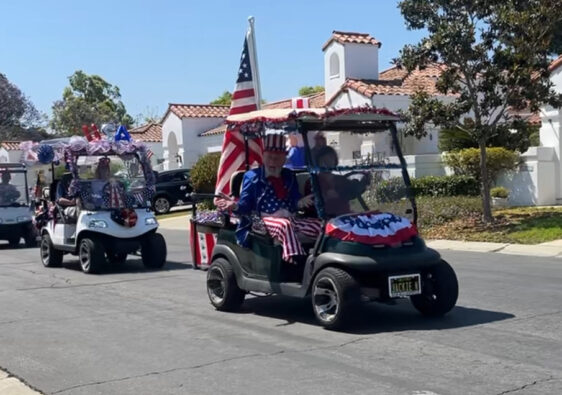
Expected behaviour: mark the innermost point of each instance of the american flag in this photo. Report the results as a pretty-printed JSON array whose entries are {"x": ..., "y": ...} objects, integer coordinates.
[
  {"x": 244, "y": 99},
  {"x": 149, "y": 154}
]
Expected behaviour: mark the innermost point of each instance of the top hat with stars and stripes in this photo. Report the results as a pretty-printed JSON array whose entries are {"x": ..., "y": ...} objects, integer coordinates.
[{"x": 275, "y": 142}]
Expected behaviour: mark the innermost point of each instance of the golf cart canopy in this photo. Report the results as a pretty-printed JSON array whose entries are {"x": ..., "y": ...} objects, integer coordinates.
[{"x": 366, "y": 119}]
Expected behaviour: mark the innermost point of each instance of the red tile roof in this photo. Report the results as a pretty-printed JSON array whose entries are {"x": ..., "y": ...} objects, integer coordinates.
[
  {"x": 397, "y": 81},
  {"x": 197, "y": 110},
  {"x": 315, "y": 100},
  {"x": 149, "y": 133},
  {"x": 353, "y": 38},
  {"x": 221, "y": 129},
  {"x": 11, "y": 145},
  {"x": 555, "y": 64}
]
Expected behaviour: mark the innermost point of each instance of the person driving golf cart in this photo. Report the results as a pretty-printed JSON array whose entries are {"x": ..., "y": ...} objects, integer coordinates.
[
  {"x": 272, "y": 191},
  {"x": 8, "y": 192},
  {"x": 66, "y": 198}
]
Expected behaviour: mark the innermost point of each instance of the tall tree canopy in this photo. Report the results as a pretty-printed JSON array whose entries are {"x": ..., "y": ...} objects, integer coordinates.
[
  {"x": 89, "y": 99},
  {"x": 16, "y": 111},
  {"x": 495, "y": 56},
  {"x": 309, "y": 90},
  {"x": 225, "y": 99}
]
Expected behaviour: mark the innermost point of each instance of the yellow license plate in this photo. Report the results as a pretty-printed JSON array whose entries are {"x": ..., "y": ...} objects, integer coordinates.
[{"x": 404, "y": 285}]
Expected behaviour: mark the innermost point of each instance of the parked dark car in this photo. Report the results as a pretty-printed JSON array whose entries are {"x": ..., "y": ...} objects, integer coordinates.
[{"x": 172, "y": 188}]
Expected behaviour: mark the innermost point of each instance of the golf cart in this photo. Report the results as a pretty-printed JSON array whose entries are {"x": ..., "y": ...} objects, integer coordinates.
[
  {"x": 15, "y": 207},
  {"x": 113, "y": 186},
  {"x": 362, "y": 254}
]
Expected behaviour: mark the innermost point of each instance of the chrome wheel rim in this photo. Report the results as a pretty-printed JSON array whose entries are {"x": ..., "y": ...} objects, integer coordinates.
[
  {"x": 84, "y": 257},
  {"x": 216, "y": 285},
  {"x": 45, "y": 251},
  {"x": 325, "y": 299},
  {"x": 161, "y": 205}
]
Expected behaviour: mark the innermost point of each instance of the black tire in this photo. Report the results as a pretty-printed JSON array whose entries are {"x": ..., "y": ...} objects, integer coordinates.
[
  {"x": 154, "y": 251},
  {"x": 440, "y": 290},
  {"x": 91, "y": 254},
  {"x": 335, "y": 297},
  {"x": 161, "y": 205},
  {"x": 49, "y": 256},
  {"x": 30, "y": 237},
  {"x": 116, "y": 258},
  {"x": 14, "y": 241},
  {"x": 222, "y": 289}
]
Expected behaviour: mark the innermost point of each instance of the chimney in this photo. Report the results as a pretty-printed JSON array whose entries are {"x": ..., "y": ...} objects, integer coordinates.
[{"x": 349, "y": 55}]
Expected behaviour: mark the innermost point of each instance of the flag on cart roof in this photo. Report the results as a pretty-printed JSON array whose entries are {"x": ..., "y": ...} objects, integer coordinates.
[{"x": 245, "y": 98}]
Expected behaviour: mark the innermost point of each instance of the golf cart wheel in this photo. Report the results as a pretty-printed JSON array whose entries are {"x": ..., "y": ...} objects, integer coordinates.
[
  {"x": 49, "y": 256},
  {"x": 162, "y": 205},
  {"x": 14, "y": 241},
  {"x": 153, "y": 251},
  {"x": 440, "y": 290},
  {"x": 116, "y": 258},
  {"x": 91, "y": 254},
  {"x": 30, "y": 238},
  {"x": 222, "y": 288},
  {"x": 335, "y": 294}
]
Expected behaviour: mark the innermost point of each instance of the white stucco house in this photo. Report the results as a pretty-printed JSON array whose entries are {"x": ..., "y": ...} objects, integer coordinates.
[
  {"x": 182, "y": 126},
  {"x": 151, "y": 135}
]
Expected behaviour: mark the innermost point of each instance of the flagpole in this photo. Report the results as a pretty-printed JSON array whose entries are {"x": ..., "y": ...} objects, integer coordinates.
[{"x": 254, "y": 60}]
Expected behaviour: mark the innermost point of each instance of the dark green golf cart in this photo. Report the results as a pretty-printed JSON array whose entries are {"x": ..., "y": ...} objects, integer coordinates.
[{"x": 363, "y": 254}]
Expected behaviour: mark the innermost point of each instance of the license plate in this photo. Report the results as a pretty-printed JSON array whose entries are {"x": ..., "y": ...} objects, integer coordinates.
[{"x": 405, "y": 285}]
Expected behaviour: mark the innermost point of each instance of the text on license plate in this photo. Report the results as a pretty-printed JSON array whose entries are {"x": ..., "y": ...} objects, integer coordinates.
[{"x": 404, "y": 285}]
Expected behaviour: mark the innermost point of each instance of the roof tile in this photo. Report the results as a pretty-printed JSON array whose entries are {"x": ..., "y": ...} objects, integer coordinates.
[
  {"x": 199, "y": 110},
  {"x": 149, "y": 133},
  {"x": 352, "y": 38},
  {"x": 11, "y": 145}
]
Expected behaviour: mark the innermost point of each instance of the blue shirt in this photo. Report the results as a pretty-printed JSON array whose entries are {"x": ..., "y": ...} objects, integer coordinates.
[
  {"x": 295, "y": 158},
  {"x": 258, "y": 196}
]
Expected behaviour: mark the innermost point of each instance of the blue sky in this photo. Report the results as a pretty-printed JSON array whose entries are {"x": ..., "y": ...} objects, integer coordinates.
[{"x": 167, "y": 51}]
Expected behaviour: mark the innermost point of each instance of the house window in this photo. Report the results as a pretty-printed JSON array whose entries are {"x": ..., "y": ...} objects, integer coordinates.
[{"x": 334, "y": 65}]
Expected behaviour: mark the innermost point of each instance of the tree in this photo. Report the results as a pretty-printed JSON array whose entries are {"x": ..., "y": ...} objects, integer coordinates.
[
  {"x": 150, "y": 115},
  {"x": 556, "y": 43},
  {"x": 89, "y": 99},
  {"x": 494, "y": 57},
  {"x": 17, "y": 113},
  {"x": 225, "y": 99},
  {"x": 310, "y": 90}
]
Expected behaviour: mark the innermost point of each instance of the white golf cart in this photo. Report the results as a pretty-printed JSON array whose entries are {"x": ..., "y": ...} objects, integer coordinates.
[
  {"x": 15, "y": 208},
  {"x": 112, "y": 216}
]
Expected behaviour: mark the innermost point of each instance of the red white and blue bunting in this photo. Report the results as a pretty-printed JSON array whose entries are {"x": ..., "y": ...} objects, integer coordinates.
[{"x": 372, "y": 228}]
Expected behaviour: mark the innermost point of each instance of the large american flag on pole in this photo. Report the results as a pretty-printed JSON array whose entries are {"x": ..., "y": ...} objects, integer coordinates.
[{"x": 245, "y": 98}]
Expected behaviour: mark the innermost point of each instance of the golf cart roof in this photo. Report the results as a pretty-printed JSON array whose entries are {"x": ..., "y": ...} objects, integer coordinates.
[{"x": 353, "y": 119}]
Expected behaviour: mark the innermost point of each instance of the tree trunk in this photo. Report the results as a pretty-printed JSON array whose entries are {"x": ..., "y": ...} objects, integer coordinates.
[{"x": 485, "y": 184}]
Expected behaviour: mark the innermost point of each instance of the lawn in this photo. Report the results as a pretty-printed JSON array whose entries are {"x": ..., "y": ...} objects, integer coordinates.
[{"x": 522, "y": 225}]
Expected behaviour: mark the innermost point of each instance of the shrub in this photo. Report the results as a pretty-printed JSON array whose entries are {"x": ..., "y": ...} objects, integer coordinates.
[
  {"x": 439, "y": 210},
  {"x": 446, "y": 186},
  {"x": 499, "y": 192},
  {"x": 204, "y": 173},
  {"x": 467, "y": 161}
]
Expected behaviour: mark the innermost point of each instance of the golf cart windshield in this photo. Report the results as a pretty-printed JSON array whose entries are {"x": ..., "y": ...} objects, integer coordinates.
[
  {"x": 13, "y": 188},
  {"x": 111, "y": 182},
  {"x": 375, "y": 182}
]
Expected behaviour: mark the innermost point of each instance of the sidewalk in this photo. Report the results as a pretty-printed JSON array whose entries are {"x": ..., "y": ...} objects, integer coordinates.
[
  {"x": 10, "y": 385},
  {"x": 549, "y": 249}
]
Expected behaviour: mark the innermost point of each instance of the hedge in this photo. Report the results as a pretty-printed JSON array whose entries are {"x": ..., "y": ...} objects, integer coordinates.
[{"x": 394, "y": 188}]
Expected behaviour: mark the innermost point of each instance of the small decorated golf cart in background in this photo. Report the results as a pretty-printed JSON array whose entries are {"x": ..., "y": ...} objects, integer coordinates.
[
  {"x": 362, "y": 254},
  {"x": 15, "y": 207},
  {"x": 113, "y": 184}
]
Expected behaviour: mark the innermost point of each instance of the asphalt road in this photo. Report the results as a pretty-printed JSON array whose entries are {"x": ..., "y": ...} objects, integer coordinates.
[{"x": 132, "y": 331}]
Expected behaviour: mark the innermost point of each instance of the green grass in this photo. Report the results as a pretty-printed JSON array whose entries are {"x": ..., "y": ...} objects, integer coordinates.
[{"x": 522, "y": 225}]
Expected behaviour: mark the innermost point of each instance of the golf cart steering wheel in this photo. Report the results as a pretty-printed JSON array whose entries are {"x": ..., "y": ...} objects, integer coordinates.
[{"x": 362, "y": 179}]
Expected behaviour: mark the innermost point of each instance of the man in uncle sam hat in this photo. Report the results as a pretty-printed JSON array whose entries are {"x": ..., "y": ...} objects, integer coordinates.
[{"x": 272, "y": 192}]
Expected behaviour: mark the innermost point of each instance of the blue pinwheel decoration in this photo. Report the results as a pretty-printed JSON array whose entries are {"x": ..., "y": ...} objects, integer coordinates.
[{"x": 45, "y": 154}]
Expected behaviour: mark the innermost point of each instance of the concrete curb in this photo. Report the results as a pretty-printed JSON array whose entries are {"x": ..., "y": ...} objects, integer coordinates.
[
  {"x": 10, "y": 385},
  {"x": 547, "y": 250}
]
